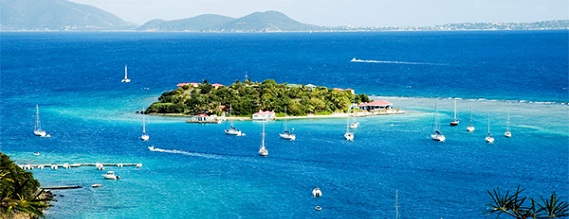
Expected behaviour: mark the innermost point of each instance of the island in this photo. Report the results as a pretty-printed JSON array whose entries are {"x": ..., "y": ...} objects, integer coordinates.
[{"x": 209, "y": 103}]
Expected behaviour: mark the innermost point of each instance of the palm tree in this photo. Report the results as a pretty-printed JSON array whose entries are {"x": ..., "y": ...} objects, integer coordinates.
[{"x": 513, "y": 205}]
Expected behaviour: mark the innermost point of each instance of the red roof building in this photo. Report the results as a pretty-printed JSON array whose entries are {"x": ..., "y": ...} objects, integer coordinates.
[{"x": 375, "y": 105}]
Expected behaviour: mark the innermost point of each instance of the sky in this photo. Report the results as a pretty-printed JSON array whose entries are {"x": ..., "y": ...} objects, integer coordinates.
[{"x": 345, "y": 12}]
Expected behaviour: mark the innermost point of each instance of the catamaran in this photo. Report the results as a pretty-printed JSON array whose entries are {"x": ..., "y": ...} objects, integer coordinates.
[
  {"x": 489, "y": 137},
  {"x": 263, "y": 151},
  {"x": 37, "y": 125},
  {"x": 144, "y": 135},
  {"x": 125, "y": 79},
  {"x": 454, "y": 121},
  {"x": 508, "y": 134},
  {"x": 286, "y": 133},
  {"x": 437, "y": 134},
  {"x": 470, "y": 127}
]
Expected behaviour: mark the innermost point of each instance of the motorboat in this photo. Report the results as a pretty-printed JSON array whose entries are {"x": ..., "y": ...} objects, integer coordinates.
[{"x": 111, "y": 175}]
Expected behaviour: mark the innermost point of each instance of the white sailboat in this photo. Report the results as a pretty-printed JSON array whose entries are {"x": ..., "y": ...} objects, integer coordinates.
[
  {"x": 489, "y": 137},
  {"x": 232, "y": 130},
  {"x": 37, "y": 125},
  {"x": 454, "y": 121},
  {"x": 263, "y": 151},
  {"x": 437, "y": 135},
  {"x": 348, "y": 135},
  {"x": 144, "y": 136},
  {"x": 125, "y": 79},
  {"x": 508, "y": 134},
  {"x": 470, "y": 127},
  {"x": 286, "y": 133}
]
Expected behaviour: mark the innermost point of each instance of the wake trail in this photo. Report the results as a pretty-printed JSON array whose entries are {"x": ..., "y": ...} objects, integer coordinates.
[
  {"x": 396, "y": 62},
  {"x": 193, "y": 154}
]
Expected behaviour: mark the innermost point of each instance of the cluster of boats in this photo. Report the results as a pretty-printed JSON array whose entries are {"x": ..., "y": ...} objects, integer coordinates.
[{"x": 437, "y": 135}]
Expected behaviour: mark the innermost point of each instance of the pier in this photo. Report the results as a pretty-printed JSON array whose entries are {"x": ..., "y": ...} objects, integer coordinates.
[{"x": 100, "y": 166}]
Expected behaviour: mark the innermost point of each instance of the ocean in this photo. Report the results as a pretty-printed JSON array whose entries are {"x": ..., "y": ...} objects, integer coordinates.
[{"x": 200, "y": 172}]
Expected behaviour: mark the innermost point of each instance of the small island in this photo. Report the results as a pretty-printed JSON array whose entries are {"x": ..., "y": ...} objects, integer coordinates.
[{"x": 243, "y": 99}]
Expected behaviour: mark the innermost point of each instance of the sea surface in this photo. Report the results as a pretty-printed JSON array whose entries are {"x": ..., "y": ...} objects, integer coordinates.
[{"x": 199, "y": 172}]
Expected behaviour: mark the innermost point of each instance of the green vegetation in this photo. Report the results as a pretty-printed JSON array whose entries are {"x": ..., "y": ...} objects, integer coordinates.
[
  {"x": 513, "y": 205},
  {"x": 19, "y": 191},
  {"x": 246, "y": 98}
]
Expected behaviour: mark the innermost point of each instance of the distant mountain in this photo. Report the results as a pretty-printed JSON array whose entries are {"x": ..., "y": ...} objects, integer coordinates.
[
  {"x": 56, "y": 15},
  {"x": 269, "y": 21},
  {"x": 206, "y": 22}
]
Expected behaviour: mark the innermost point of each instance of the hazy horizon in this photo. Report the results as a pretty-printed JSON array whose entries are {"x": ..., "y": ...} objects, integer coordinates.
[{"x": 344, "y": 12}]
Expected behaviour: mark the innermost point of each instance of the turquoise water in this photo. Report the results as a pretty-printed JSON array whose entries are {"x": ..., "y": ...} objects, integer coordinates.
[{"x": 75, "y": 79}]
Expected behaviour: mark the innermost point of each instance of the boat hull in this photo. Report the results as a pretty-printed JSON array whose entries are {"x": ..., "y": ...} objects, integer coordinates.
[{"x": 287, "y": 136}]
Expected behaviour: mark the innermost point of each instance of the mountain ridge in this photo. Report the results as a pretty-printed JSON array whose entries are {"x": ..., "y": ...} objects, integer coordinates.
[{"x": 56, "y": 15}]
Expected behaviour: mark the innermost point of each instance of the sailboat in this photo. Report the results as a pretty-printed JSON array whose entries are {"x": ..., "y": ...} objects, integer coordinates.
[
  {"x": 37, "y": 125},
  {"x": 437, "y": 134},
  {"x": 354, "y": 124},
  {"x": 508, "y": 134},
  {"x": 144, "y": 135},
  {"x": 125, "y": 79},
  {"x": 286, "y": 133},
  {"x": 489, "y": 137},
  {"x": 470, "y": 127},
  {"x": 232, "y": 130},
  {"x": 349, "y": 135},
  {"x": 263, "y": 151},
  {"x": 454, "y": 121}
]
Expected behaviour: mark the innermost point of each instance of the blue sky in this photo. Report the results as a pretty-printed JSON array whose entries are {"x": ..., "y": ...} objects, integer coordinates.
[{"x": 346, "y": 12}]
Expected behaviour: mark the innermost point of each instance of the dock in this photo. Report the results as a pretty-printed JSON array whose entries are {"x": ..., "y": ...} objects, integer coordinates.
[
  {"x": 100, "y": 166},
  {"x": 61, "y": 187}
]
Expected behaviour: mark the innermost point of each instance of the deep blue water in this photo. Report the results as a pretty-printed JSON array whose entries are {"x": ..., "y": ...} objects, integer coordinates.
[{"x": 75, "y": 78}]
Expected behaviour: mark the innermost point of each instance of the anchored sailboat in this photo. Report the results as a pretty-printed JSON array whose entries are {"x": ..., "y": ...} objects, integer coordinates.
[
  {"x": 232, "y": 130},
  {"x": 286, "y": 133},
  {"x": 349, "y": 135},
  {"x": 144, "y": 135},
  {"x": 263, "y": 151},
  {"x": 454, "y": 121},
  {"x": 437, "y": 135},
  {"x": 470, "y": 127},
  {"x": 489, "y": 137},
  {"x": 125, "y": 79},
  {"x": 508, "y": 134},
  {"x": 37, "y": 125}
]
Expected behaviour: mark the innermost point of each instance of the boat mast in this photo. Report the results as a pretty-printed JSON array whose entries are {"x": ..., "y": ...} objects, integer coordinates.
[
  {"x": 396, "y": 204},
  {"x": 37, "y": 125},
  {"x": 454, "y": 109},
  {"x": 488, "y": 124},
  {"x": 125, "y": 72},
  {"x": 263, "y": 139},
  {"x": 143, "y": 124}
]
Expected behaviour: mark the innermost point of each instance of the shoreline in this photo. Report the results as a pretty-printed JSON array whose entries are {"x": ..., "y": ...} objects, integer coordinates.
[{"x": 310, "y": 116}]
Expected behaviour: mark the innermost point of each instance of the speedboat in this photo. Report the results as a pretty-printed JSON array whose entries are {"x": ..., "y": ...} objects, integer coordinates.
[
  {"x": 111, "y": 175},
  {"x": 233, "y": 131}
]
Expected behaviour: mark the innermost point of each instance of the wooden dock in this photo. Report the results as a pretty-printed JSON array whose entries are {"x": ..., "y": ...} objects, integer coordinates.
[{"x": 99, "y": 166}]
